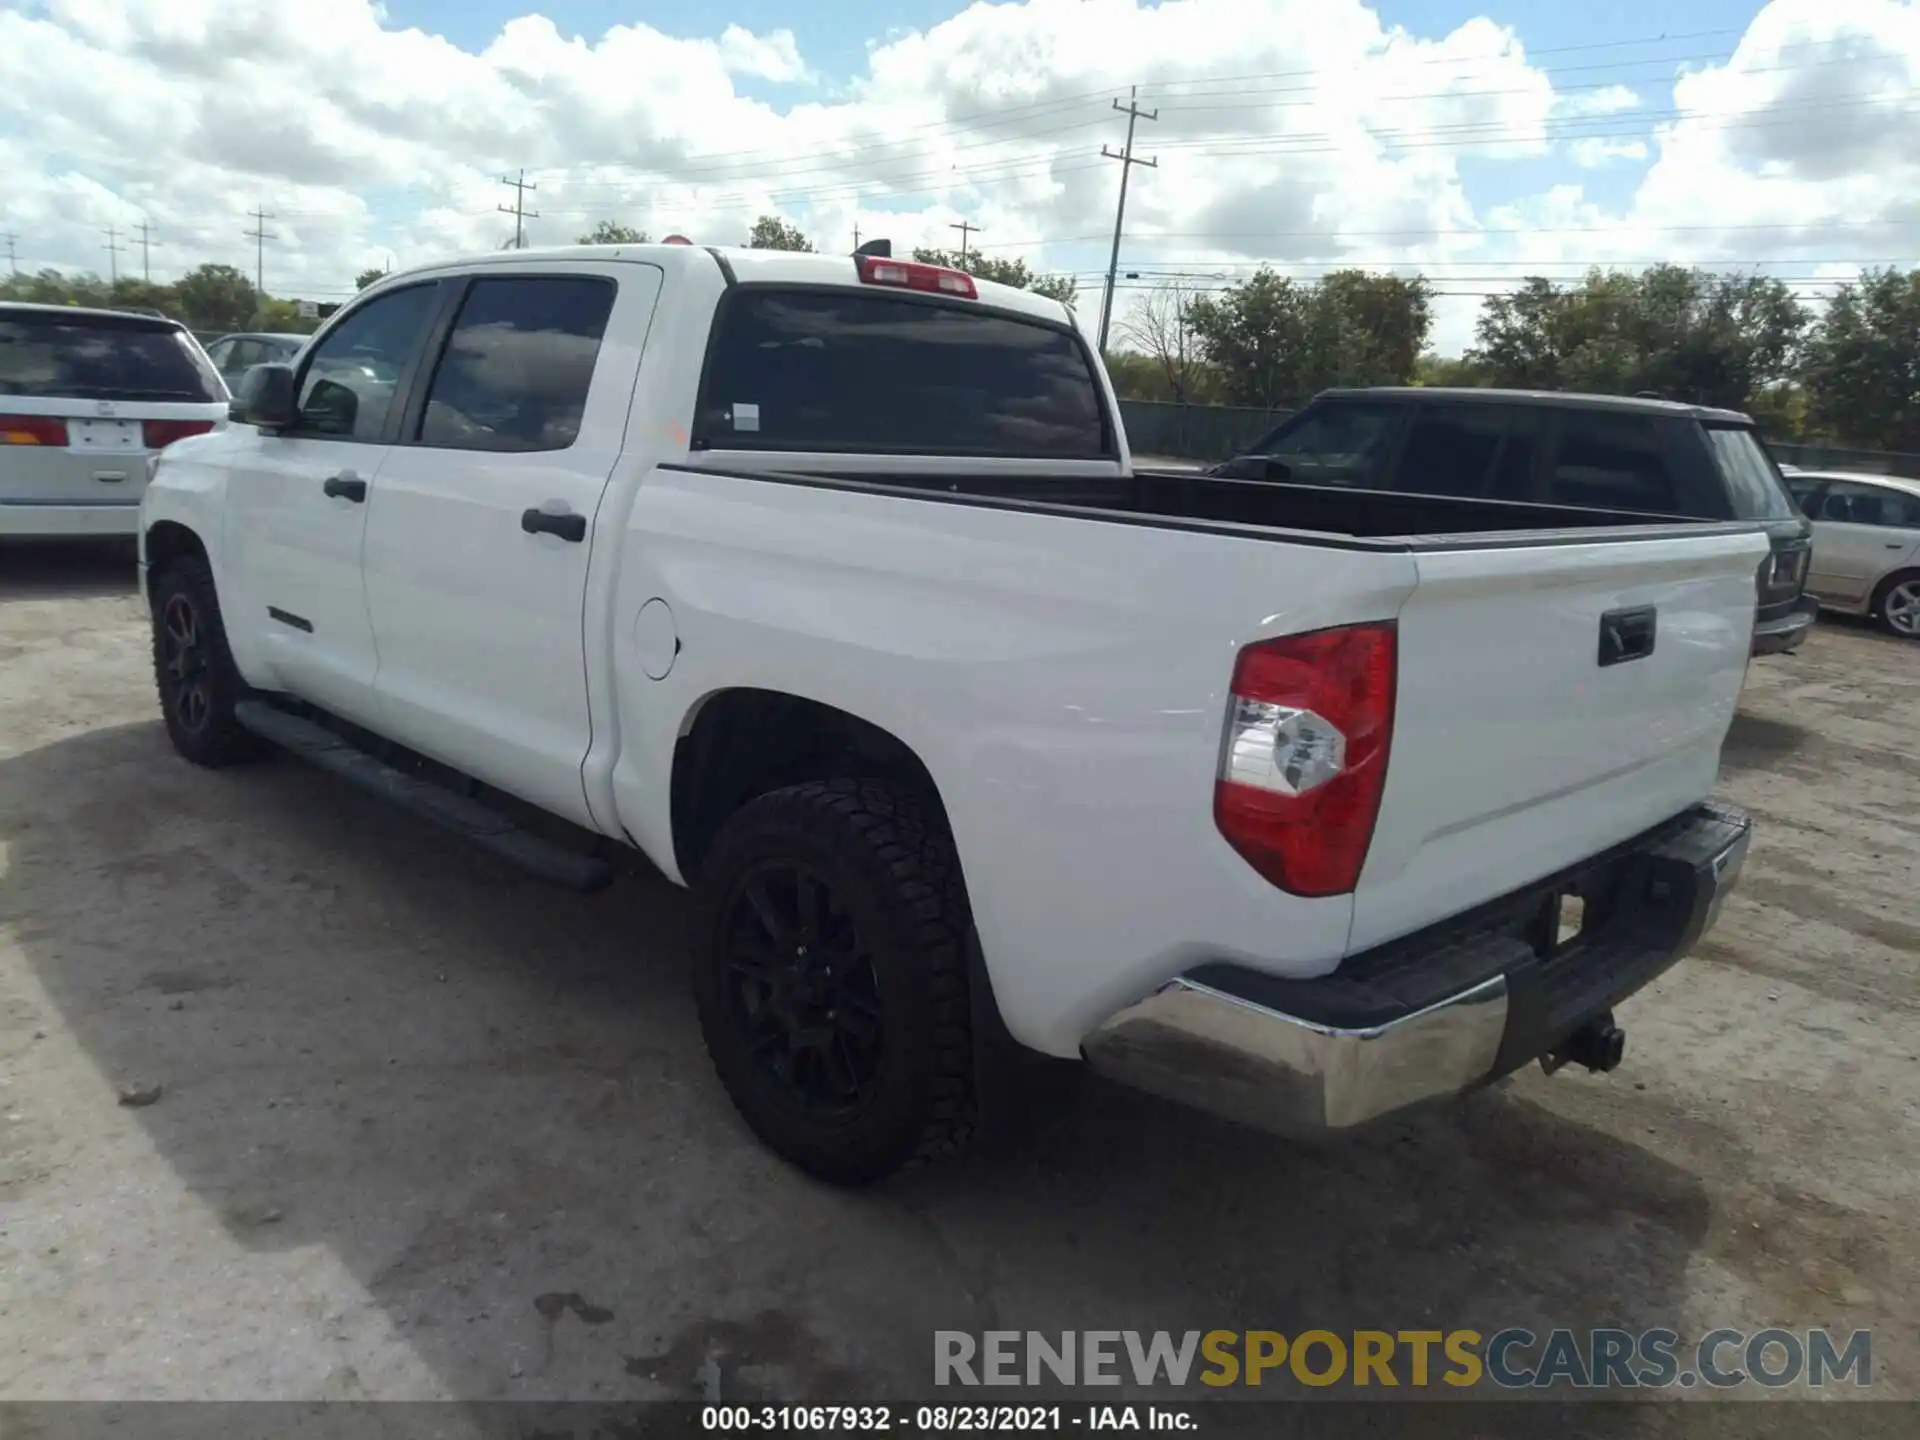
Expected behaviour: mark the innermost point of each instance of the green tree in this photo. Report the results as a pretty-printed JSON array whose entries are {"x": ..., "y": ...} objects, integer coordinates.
[
  {"x": 1688, "y": 334},
  {"x": 612, "y": 232},
  {"x": 216, "y": 297},
  {"x": 1016, "y": 273},
  {"x": 770, "y": 232},
  {"x": 1369, "y": 329},
  {"x": 1451, "y": 370},
  {"x": 1274, "y": 341},
  {"x": 1862, "y": 364},
  {"x": 373, "y": 274}
]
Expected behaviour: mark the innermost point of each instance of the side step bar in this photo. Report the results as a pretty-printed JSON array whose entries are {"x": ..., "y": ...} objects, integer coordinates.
[{"x": 468, "y": 818}]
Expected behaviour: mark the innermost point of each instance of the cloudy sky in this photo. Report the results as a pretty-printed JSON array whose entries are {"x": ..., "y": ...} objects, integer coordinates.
[{"x": 1474, "y": 141}]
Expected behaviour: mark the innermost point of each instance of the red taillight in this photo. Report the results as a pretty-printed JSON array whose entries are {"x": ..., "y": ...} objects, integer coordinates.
[
  {"x": 1304, "y": 762},
  {"x": 33, "y": 430},
  {"x": 912, "y": 275},
  {"x": 676, "y": 240},
  {"x": 161, "y": 433}
]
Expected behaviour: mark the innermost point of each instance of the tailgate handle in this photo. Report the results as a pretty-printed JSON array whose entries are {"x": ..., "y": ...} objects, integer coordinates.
[{"x": 1626, "y": 634}]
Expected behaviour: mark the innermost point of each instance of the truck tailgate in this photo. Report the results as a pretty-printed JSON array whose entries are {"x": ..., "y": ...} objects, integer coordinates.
[{"x": 1553, "y": 698}]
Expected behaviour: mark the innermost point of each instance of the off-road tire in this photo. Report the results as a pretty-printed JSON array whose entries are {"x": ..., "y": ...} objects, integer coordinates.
[{"x": 893, "y": 875}]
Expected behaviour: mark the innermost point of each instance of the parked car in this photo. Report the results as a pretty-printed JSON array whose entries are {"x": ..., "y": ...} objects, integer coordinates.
[
  {"x": 236, "y": 354},
  {"x": 1866, "y": 545},
  {"x": 827, "y": 583},
  {"x": 86, "y": 398},
  {"x": 1554, "y": 449}
]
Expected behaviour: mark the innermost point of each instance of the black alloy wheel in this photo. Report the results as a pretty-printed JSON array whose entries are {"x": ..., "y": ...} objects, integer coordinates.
[{"x": 800, "y": 983}]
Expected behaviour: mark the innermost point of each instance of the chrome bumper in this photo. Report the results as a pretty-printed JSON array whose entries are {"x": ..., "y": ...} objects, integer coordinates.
[
  {"x": 1216, "y": 1052},
  {"x": 1784, "y": 633},
  {"x": 1509, "y": 996}
]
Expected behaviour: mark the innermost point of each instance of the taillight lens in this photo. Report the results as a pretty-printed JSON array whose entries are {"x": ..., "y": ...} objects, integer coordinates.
[
  {"x": 33, "y": 430},
  {"x": 161, "y": 433},
  {"x": 1304, "y": 762},
  {"x": 912, "y": 275}
]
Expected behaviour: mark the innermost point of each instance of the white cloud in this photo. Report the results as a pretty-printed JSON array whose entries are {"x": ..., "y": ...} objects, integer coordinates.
[
  {"x": 1593, "y": 151},
  {"x": 1305, "y": 132},
  {"x": 1598, "y": 100},
  {"x": 770, "y": 57}
]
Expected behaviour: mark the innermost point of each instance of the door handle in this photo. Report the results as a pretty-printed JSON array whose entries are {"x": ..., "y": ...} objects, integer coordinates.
[
  {"x": 1896, "y": 544},
  {"x": 345, "y": 486},
  {"x": 564, "y": 523},
  {"x": 1627, "y": 634}
]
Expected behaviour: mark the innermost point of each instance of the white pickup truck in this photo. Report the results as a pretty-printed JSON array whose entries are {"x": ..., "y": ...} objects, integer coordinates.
[{"x": 827, "y": 584}]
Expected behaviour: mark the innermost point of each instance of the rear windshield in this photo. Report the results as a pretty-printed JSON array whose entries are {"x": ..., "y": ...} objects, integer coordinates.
[
  {"x": 1754, "y": 486},
  {"x": 89, "y": 358},
  {"x": 839, "y": 370}
]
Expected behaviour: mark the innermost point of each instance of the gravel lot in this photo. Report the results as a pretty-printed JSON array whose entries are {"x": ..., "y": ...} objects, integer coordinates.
[{"x": 426, "y": 1129}]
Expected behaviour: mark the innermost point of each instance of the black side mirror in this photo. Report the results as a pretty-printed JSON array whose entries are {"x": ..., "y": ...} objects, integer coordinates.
[
  {"x": 1272, "y": 469},
  {"x": 265, "y": 398}
]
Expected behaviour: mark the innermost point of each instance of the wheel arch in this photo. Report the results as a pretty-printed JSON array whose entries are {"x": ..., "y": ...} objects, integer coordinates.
[
  {"x": 165, "y": 541},
  {"x": 742, "y": 742}
]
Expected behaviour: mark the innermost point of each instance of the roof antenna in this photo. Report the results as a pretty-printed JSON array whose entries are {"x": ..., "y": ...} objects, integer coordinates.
[{"x": 883, "y": 249}]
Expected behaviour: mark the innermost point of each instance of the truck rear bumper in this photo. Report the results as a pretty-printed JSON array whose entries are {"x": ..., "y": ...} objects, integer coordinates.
[
  {"x": 1784, "y": 633},
  {"x": 1438, "y": 1012}
]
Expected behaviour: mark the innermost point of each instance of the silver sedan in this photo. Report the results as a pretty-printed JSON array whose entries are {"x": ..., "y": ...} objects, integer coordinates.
[{"x": 1866, "y": 544}]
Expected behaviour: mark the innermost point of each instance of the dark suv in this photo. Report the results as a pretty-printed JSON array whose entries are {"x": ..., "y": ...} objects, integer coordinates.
[{"x": 1602, "y": 451}]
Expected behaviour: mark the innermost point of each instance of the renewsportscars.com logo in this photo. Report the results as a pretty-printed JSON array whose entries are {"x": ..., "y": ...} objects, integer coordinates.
[{"x": 1509, "y": 1359}]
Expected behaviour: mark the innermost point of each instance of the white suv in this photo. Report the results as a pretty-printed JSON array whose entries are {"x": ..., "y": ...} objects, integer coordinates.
[{"x": 86, "y": 398}]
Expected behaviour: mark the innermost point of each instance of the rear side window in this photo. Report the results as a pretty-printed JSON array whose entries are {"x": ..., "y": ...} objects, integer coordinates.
[
  {"x": 839, "y": 370},
  {"x": 518, "y": 364},
  {"x": 1611, "y": 461},
  {"x": 1804, "y": 489},
  {"x": 1451, "y": 450},
  {"x": 1755, "y": 487},
  {"x": 1853, "y": 504},
  {"x": 1340, "y": 443},
  {"x": 95, "y": 358}
]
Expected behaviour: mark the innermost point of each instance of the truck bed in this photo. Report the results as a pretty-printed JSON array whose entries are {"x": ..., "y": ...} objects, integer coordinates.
[{"x": 1187, "y": 498}]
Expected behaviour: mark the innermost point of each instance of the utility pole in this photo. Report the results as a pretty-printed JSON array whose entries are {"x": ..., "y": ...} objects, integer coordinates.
[
  {"x": 1127, "y": 161},
  {"x": 856, "y": 238},
  {"x": 113, "y": 249},
  {"x": 965, "y": 230},
  {"x": 146, "y": 269},
  {"x": 260, "y": 235},
  {"x": 13, "y": 258},
  {"x": 519, "y": 209}
]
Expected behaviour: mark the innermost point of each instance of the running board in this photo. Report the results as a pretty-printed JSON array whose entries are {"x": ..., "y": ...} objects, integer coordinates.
[{"x": 463, "y": 816}]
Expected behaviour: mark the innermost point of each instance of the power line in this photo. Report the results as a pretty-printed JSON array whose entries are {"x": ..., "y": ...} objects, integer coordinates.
[
  {"x": 519, "y": 209},
  {"x": 113, "y": 247},
  {"x": 755, "y": 164},
  {"x": 946, "y": 177},
  {"x": 1127, "y": 160},
  {"x": 260, "y": 235},
  {"x": 965, "y": 230},
  {"x": 1057, "y": 104}
]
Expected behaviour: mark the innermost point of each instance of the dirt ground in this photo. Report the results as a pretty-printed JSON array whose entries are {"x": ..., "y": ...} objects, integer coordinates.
[{"x": 426, "y": 1129}]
